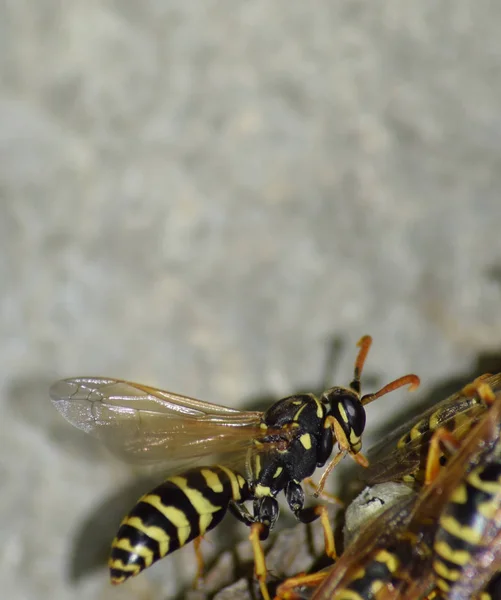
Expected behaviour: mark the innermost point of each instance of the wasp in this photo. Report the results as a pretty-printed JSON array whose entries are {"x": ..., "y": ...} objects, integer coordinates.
[
  {"x": 467, "y": 545},
  {"x": 443, "y": 542},
  {"x": 258, "y": 455},
  {"x": 466, "y": 549},
  {"x": 402, "y": 458},
  {"x": 402, "y": 455}
]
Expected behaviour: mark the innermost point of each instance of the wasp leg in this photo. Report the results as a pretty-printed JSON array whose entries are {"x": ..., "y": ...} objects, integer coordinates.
[
  {"x": 295, "y": 498},
  {"x": 326, "y": 473},
  {"x": 480, "y": 388},
  {"x": 200, "y": 562},
  {"x": 257, "y": 531},
  {"x": 441, "y": 437},
  {"x": 323, "y": 495},
  {"x": 266, "y": 511},
  {"x": 241, "y": 513},
  {"x": 330, "y": 546},
  {"x": 285, "y": 590}
]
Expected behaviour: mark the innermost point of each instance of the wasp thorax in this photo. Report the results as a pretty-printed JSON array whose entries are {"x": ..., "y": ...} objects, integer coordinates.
[{"x": 288, "y": 409}]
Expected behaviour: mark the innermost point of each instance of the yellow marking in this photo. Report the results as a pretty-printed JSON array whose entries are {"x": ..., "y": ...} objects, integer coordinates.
[
  {"x": 355, "y": 440},
  {"x": 138, "y": 549},
  {"x": 376, "y": 586},
  {"x": 262, "y": 490},
  {"x": 263, "y": 425},
  {"x": 452, "y": 526},
  {"x": 342, "y": 412},
  {"x": 173, "y": 514},
  {"x": 489, "y": 509},
  {"x": 489, "y": 487},
  {"x": 277, "y": 472},
  {"x": 401, "y": 442},
  {"x": 257, "y": 466},
  {"x": 414, "y": 433},
  {"x": 298, "y": 413},
  {"x": 387, "y": 558},
  {"x": 460, "y": 495},
  {"x": 443, "y": 585},
  {"x": 305, "y": 440},
  {"x": 457, "y": 557},
  {"x": 196, "y": 498},
  {"x": 297, "y": 402},
  {"x": 204, "y": 522},
  {"x": 236, "y": 482},
  {"x": 435, "y": 420},
  {"x": 151, "y": 531},
  {"x": 212, "y": 480},
  {"x": 445, "y": 574},
  {"x": 320, "y": 408},
  {"x": 359, "y": 574},
  {"x": 118, "y": 563}
]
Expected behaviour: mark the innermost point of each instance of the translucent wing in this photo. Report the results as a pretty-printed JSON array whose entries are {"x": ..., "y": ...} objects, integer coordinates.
[
  {"x": 403, "y": 453},
  {"x": 412, "y": 521},
  {"x": 146, "y": 425},
  {"x": 374, "y": 537}
]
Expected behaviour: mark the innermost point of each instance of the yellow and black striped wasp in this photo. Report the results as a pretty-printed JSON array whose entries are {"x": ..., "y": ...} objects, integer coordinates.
[
  {"x": 258, "y": 456},
  {"x": 402, "y": 455},
  {"x": 441, "y": 543}
]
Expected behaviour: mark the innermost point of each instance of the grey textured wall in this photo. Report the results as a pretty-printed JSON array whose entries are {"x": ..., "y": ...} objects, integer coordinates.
[{"x": 200, "y": 195}]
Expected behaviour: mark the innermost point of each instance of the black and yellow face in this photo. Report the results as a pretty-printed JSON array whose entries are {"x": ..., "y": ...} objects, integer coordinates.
[{"x": 345, "y": 407}]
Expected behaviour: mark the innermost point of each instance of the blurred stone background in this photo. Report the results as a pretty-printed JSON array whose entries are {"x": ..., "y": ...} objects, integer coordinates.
[{"x": 202, "y": 196}]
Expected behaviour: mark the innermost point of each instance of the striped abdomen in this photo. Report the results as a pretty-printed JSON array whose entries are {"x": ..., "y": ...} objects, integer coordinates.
[
  {"x": 472, "y": 510},
  {"x": 171, "y": 515},
  {"x": 452, "y": 415},
  {"x": 376, "y": 574}
]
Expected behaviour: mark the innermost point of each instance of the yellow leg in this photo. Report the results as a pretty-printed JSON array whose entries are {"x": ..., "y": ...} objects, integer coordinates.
[
  {"x": 325, "y": 474},
  {"x": 344, "y": 448},
  {"x": 259, "y": 559},
  {"x": 484, "y": 390},
  {"x": 330, "y": 546},
  {"x": 441, "y": 436},
  {"x": 445, "y": 438},
  {"x": 323, "y": 495},
  {"x": 200, "y": 561},
  {"x": 285, "y": 590}
]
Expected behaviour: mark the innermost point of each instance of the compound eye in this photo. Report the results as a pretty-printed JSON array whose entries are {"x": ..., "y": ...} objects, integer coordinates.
[
  {"x": 350, "y": 414},
  {"x": 355, "y": 413}
]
